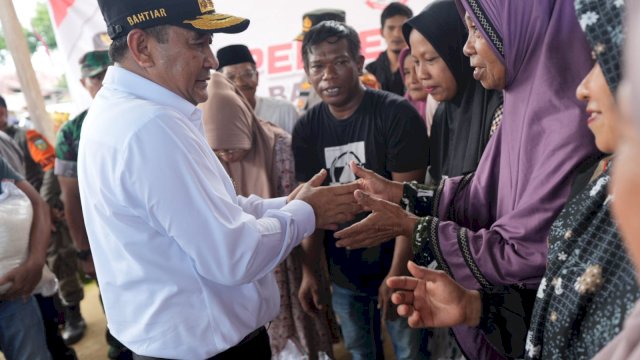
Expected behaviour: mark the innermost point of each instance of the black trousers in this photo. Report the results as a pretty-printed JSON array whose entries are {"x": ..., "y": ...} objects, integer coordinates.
[{"x": 253, "y": 346}]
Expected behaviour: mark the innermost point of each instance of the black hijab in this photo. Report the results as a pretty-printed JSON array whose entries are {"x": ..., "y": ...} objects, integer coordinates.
[{"x": 461, "y": 126}]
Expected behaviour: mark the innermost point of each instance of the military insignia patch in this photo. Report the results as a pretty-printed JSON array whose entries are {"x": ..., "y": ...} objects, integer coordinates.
[
  {"x": 41, "y": 144},
  {"x": 206, "y": 6},
  {"x": 306, "y": 24}
]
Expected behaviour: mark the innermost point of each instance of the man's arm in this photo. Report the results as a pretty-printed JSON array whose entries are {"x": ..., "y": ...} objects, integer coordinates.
[
  {"x": 407, "y": 159},
  {"x": 224, "y": 243},
  {"x": 402, "y": 251},
  {"x": 310, "y": 294},
  {"x": 50, "y": 190},
  {"x": 75, "y": 220},
  {"x": 25, "y": 277},
  {"x": 258, "y": 206}
]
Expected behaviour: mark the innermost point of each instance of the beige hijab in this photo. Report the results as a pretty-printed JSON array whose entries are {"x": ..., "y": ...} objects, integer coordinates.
[{"x": 230, "y": 123}]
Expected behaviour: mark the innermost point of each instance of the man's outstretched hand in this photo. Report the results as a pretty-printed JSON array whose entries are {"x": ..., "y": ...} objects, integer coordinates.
[{"x": 332, "y": 205}]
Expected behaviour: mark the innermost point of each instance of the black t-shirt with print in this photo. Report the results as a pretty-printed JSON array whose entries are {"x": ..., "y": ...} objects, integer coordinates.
[{"x": 386, "y": 135}]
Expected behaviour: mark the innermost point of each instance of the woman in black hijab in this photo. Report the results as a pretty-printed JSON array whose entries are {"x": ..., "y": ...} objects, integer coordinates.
[{"x": 467, "y": 116}]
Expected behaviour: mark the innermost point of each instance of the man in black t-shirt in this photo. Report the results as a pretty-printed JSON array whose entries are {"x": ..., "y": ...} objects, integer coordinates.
[
  {"x": 386, "y": 67},
  {"x": 382, "y": 132}
]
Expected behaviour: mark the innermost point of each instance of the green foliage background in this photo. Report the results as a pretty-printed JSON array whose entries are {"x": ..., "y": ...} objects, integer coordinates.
[{"x": 41, "y": 24}]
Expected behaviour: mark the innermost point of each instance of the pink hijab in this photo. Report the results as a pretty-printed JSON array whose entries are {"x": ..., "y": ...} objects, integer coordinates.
[
  {"x": 230, "y": 123},
  {"x": 420, "y": 105}
]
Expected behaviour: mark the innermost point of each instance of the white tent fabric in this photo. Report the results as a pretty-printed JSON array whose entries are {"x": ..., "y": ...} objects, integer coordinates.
[{"x": 274, "y": 24}]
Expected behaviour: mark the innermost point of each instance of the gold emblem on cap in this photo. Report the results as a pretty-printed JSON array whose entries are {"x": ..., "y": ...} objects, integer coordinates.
[
  {"x": 306, "y": 24},
  {"x": 206, "y": 6},
  {"x": 106, "y": 40},
  {"x": 214, "y": 21}
]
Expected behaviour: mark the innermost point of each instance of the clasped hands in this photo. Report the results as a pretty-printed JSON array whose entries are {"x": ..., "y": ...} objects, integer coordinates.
[
  {"x": 387, "y": 220},
  {"x": 332, "y": 205},
  {"x": 338, "y": 204},
  {"x": 428, "y": 298}
]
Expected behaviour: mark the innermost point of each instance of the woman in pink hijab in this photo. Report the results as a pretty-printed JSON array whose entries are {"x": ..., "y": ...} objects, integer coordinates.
[{"x": 415, "y": 93}]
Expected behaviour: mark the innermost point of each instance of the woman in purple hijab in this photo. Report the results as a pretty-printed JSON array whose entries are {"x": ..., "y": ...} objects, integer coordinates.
[{"x": 490, "y": 227}]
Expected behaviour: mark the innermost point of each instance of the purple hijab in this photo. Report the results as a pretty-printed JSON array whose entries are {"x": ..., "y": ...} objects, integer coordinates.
[
  {"x": 420, "y": 105},
  {"x": 491, "y": 227}
]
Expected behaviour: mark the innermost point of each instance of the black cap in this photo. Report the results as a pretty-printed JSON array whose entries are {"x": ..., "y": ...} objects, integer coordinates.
[
  {"x": 234, "y": 54},
  {"x": 123, "y": 16},
  {"x": 315, "y": 17}
]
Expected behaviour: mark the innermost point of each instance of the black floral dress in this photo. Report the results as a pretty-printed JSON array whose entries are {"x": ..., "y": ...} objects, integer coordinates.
[{"x": 589, "y": 286}]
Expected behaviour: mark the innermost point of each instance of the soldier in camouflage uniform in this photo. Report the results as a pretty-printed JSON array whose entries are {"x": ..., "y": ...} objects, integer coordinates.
[{"x": 94, "y": 65}]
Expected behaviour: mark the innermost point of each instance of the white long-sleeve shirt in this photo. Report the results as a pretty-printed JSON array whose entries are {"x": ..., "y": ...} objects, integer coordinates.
[{"x": 184, "y": 265}]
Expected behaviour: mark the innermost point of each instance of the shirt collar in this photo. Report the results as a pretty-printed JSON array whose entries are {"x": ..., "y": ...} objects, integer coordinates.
[{"x": 124, "y": 80}]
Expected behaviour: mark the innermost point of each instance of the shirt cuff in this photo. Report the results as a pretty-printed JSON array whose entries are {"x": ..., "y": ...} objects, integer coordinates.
[
  {"x": 275, "y": 203},
  {"x": 303, "y": 215},
  {"x": 417, "y": 198}
]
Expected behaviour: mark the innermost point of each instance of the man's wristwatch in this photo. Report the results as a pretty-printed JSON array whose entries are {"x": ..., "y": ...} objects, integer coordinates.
[{"x": 83, "y": 254}]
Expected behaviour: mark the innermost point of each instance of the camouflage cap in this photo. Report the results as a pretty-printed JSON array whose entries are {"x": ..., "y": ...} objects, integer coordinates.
[{"x": 94, "y": 62}]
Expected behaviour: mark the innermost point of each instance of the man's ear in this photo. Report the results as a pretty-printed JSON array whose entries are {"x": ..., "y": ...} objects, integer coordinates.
[
  {"x": 140, "y": 44},
  {"x": 257, "y": 76}
]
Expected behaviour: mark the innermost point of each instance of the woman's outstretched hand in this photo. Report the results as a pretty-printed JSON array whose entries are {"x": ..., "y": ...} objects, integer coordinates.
[
  {"x": 386, "y": 221},
  {"x": 376, "y": 185},
  {"x": 430, "y": 298}
]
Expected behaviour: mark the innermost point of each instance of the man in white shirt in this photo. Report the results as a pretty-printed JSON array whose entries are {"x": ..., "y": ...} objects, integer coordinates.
[
  {"x": 185, "y": 266},
  {"x": 238, "y": 65}
]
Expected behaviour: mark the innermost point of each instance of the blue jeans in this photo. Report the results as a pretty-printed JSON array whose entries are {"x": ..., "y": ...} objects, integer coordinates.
[
  {"x": 360, "y": 324},
  {"x": 22, "y": 335}
]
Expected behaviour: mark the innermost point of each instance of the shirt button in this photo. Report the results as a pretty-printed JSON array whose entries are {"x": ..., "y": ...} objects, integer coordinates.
[{"x": 568, "y": 235}]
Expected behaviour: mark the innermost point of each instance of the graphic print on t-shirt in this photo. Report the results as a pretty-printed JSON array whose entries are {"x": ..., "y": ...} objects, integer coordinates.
[{"x": 337, "y": 160}]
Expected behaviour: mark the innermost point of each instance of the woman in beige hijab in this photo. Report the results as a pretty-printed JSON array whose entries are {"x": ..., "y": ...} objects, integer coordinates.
[{"x": 257, "y": 156}]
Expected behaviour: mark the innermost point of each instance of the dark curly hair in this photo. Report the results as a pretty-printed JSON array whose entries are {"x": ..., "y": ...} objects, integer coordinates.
[{"x": 332, "y": 32}]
